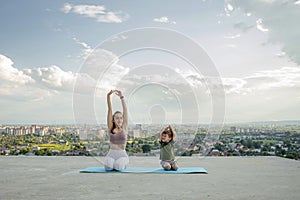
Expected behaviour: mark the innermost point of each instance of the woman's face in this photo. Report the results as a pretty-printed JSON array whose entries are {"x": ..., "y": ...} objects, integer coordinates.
[{"x": 118, "y": 119}]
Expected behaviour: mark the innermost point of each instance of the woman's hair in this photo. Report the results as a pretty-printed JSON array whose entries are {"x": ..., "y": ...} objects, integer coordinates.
[
  {"x": 168, "y": 132},
  {"x": 114, "y": 125}
]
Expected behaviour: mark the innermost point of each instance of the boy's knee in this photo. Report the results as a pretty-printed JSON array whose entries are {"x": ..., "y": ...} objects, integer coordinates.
[
  {"x": 167, "y": 166},
  {"x": 174, "y": 167}
]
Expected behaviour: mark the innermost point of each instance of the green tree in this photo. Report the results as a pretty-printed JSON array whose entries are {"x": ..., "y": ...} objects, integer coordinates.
[
  {"x": 292, "y": 155},
  {"x": 257, "y": 144},
  {"x": 249, "y": 143},
  {"x": 146, "y": 148}
]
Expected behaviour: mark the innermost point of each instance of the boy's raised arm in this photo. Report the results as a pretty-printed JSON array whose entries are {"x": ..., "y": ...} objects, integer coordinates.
[
  {"x": 160, "y": 133},
  {"x": 174, "y": 133}
]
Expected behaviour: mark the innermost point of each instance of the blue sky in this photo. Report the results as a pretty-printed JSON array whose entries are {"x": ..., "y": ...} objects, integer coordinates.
[{"x": 45, "y": 45}]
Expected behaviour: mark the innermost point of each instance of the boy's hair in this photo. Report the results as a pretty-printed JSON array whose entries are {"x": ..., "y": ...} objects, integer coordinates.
[{"x": 168, "y": 132}]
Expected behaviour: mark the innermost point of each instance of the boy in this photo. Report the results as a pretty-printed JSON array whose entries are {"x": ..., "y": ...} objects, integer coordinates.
[{"x": 167, "y": 139}]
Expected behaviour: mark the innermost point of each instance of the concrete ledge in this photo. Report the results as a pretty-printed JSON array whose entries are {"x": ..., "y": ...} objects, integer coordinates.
[{"x": 25, "y": 177}]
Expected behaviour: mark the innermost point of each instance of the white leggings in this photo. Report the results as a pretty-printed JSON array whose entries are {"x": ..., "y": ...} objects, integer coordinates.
[{"x": 116, "y": 159}]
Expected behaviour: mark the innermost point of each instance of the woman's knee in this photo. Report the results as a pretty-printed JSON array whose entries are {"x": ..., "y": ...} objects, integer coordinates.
[
  {"x": 109, "y": 163},
  {"x": 121, "y": 163}
]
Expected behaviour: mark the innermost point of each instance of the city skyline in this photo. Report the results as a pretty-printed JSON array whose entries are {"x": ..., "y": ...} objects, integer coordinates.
[{"x": 46, "y": 46}]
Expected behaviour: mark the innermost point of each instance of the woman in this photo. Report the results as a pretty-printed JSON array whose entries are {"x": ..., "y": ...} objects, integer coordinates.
[{"x": 117, "y": 158}]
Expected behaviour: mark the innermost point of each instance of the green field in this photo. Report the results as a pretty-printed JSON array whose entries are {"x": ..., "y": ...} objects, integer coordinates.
[{"x": 58, "y": 147}]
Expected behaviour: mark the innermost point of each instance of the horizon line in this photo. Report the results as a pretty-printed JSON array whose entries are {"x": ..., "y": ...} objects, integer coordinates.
[{"x": 204, "y": 123}]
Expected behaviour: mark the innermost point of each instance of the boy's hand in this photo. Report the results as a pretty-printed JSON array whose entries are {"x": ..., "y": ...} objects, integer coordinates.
[{"x": 168, "y": 127}]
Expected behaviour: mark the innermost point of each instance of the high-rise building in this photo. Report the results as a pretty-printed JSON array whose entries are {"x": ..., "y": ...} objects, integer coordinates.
[
  {"x": 33, "y": 129},
  {"x": 136, "y": 133},
  {"x": 138, "y": 126},
  {"x": 233, "y": 129}
]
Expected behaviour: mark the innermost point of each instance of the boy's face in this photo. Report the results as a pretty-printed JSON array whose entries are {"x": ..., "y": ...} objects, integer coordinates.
[{"x": 165, "y": 138}]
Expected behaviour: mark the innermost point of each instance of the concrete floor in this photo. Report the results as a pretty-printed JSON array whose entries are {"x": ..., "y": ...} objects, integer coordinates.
[{"x": 25, "y": 177}]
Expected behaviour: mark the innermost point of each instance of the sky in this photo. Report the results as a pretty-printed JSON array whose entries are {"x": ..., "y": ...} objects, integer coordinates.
[{"x": 175, "y": 61}]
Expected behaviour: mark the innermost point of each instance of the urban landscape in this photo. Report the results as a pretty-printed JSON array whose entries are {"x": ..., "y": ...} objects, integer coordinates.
[
  {"x": 250, "y": 139},
  {"x": 89, "y": 90}
]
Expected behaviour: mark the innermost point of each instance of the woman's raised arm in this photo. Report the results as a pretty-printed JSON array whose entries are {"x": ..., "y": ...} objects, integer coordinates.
[
  {"x": 109, "y": 112},
  {"x": 125, "y": 112}
]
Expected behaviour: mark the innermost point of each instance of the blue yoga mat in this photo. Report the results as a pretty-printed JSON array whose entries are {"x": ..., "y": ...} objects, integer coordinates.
[{"x": 184, "y": 170}]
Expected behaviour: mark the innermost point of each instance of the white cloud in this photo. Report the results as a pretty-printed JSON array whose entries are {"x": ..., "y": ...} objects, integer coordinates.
[
  {"x": 89, "y": 10},
  {"x": 260, "y": 26},
  {"x": 99, "y": 13},
  {"x": 232, "y": 36},
  {"x": 87, "y": 50},
  {"x": 279, "y": 18},
  {"x": 52, "y": 77},
  {"x": 67, "y": 8},
  {"x": 285, "y": 77},
  {"x": 234, "y": 85},
  {"x": 192, "y": 78},
  {"x": 175, "y": 78},
  {"x": 16, "y": 85},
  {"x": 56, "y": 79},
  {"x": 50, "y": 83},
  {"x": 281, "y": 54},
  {"x": 27, "y": 83},
  {"x": 281, "y": 79},
  {"x": 102, "y": 68},
  {"x": 97, "y": 72},
  {"x": 118, "y": 38},
  {"x": 231, "y": 46},
  {"x": 11, "y": 74},
  {"x": 113, "y": 75},
  {"x": 243, "y": 26},
  {"x": 164, "y": 20},
  {"x": 229, "y": 8}
]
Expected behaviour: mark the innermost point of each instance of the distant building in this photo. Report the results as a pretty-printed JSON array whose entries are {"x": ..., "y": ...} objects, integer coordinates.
[
  {"x": 215, "y": 152},
  {"x": 35, "y": 148},
  {"x": 2, "y": 130},
  {"x": 22, "y": 130},
  {"x": 32, "y": 129},
  {"x": 83, "y": 134},
  {"x": 136, "y": 133},
  {"x": 101, "y": 133},
  {"x": 138, "y": 127},
  {"x": 233, "y": 129}
]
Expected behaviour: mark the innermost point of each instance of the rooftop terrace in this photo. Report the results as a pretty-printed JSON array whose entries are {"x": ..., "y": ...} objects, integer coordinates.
[{"x": 26, "y": 177}]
